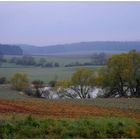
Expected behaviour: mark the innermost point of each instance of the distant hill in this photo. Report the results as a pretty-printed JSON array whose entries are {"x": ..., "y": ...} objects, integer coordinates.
[
  {"x": 81, "y": 48},
  {"x": 10, "y": 49}
]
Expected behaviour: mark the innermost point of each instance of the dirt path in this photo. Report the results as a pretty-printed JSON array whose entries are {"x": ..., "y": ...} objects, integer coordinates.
[{"x": 61, "y": 109}]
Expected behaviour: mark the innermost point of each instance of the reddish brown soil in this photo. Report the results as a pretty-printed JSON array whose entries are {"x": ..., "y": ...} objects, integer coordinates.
[{"x": 61, "y": 109}]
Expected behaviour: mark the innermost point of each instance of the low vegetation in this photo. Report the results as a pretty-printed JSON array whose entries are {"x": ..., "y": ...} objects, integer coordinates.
[{"x": 70, "y": 128}]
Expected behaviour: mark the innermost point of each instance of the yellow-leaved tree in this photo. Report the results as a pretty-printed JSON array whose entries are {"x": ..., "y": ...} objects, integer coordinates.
[
  {"x": 20, "y": 81},
  {"x": 79, "y": 86},
  {"x": 121, "y": 76}
]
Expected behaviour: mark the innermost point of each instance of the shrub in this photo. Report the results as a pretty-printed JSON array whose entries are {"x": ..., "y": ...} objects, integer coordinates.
[
  {"x": 30, "y": 92},
  {"x": 31, "y": 121},
  {"x": 20, "y": 81},
  {"x": 38, "y": 84},
  {"x": 52, "y": 83},
  {"x": 2, "y": 80}
]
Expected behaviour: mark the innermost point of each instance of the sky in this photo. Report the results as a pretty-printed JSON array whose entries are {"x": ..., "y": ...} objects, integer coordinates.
[{"x": 49, "y": 23}]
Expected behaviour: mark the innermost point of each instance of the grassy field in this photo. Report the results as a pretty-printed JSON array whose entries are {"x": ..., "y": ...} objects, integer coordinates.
[
  {"x": 10, "y": 94},
  {"x": 132, "y": 104},
  {"x": 45, "y": 74}
]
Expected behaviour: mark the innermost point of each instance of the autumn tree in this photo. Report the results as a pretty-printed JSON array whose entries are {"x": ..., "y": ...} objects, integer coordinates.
[
  {"x": 119, "y": 70},
  {"x": 20, "y": 81},
  {"x": 121, "y": 75},
  {"x": 79, "y": 85}
]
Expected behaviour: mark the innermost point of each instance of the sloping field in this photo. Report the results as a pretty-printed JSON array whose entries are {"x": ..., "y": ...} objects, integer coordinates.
[
  {"x": 63, "y": 109},
  {"x": 13, "y": 102}
]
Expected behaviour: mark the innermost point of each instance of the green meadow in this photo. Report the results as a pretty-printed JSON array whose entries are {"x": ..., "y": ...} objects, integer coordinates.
[{"x": 42, "y": 73}]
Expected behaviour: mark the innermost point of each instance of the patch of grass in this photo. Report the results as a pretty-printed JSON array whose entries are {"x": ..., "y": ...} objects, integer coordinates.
[
  {"x": 131, "y": 104},
  {"x": 101, "y": 127},
  {"x": 44, "y": 74},
  {"x": 8, "y": 93}
]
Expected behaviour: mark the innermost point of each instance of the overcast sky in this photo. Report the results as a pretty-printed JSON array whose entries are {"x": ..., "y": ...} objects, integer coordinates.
[{"x": 45, "y": 23}]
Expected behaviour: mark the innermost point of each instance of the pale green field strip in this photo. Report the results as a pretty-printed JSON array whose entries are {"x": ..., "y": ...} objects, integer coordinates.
[{"x": 45, "y": 74}]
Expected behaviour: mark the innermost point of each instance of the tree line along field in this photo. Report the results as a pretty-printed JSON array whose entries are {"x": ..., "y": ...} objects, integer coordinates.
[{"x": 62, "y": 60}]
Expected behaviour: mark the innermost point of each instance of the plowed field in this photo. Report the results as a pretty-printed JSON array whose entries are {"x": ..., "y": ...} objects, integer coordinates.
[{"x": 63, "y": 109}]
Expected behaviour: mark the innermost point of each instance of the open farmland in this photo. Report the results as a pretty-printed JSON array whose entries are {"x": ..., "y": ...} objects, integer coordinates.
[
  {"x": 43, "y": 73},
  {"x": 12, "y": 101},
  {"x": 62, "y": 109},
  {"x": 69, "y": 70},
  {"x": 96, "y": 118},
  {"x": 7, "y": 93},
  {"x": 63, "y": 118},
  {"x": 25, "y": 117}
]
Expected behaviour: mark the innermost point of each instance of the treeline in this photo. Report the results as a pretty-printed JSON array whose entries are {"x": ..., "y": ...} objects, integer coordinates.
[
  {"x": 99, "y": 58},
  {"x": 10, "y": 50},
  {"x": 96, "y": 59},
  {"x": 30, "y": 61},
  {"x": 79, "y": 64},
  {"x": 27, "y": 60},
  {"x": 119, "y": 78}
]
